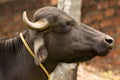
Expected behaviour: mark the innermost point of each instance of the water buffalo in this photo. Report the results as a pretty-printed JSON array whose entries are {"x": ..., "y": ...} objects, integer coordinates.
[{"x": 54, "y": 37}]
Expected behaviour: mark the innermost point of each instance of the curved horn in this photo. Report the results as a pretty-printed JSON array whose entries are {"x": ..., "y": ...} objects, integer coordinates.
[{"x": 39, "y": 25}]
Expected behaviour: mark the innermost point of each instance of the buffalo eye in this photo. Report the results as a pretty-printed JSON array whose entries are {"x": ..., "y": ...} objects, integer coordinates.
[
  {"x": 62, "y": 28},
  {"x": 70, "y": 23}
]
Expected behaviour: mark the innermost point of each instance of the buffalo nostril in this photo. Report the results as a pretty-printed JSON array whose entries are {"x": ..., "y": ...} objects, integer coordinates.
[{"x": 109, "y": 40}]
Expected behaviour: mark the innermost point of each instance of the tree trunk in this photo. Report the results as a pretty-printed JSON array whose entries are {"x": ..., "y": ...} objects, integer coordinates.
[{"x": 66, "y": 71}]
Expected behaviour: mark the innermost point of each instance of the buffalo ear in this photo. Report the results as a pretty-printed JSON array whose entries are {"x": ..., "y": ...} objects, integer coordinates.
[{"x": 40, "y": 51}]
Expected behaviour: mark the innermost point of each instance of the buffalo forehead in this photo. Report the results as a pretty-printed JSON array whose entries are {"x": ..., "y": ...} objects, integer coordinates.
[{"x": 50, "y": 12}]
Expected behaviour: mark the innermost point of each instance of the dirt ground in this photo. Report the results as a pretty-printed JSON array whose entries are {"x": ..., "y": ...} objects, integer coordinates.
[{"x": 88, "y": 72}]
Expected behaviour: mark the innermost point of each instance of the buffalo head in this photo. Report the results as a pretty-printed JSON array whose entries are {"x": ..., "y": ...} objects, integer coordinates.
[{"x": 59, "y": 38}]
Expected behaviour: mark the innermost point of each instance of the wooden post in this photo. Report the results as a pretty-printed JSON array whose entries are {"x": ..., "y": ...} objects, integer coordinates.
[
  {"x": 71, "y": 7},
  {"x": 66, "y": 71}
]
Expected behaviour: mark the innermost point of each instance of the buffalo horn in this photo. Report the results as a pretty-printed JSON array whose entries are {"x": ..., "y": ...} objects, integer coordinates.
[{"x": 38, "y": 25}]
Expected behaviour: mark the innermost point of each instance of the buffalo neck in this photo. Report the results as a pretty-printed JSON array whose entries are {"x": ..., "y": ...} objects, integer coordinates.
[
  {"x": 15, "y": 57},
  {"x": 12, "y": 46}
]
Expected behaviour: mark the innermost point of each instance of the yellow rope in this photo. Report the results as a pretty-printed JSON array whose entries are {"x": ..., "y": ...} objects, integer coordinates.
[{"x": 30, "y": 51}]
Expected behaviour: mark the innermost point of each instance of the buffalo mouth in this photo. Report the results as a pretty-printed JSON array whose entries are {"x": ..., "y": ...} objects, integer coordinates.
[
  {"x": 85, "y": 56},
  {"x": 103, "y": 51}
]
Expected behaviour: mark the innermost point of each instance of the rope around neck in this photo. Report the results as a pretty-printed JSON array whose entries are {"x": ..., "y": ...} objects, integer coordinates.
[{"x": 32, "y": 54}]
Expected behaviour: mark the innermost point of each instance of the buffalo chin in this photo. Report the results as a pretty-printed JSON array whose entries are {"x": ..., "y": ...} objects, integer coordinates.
[
  {"x": 81, "y": 59},
  {"x": 87, "y": 57},
  {"x": 102, "y": 54}
]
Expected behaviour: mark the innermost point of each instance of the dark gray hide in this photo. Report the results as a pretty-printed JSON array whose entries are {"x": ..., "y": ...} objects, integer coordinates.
[{"x": 63, "y": 41}]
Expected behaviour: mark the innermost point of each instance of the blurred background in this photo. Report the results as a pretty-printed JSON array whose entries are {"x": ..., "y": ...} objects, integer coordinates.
[{"x": 103, "y": 15}]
